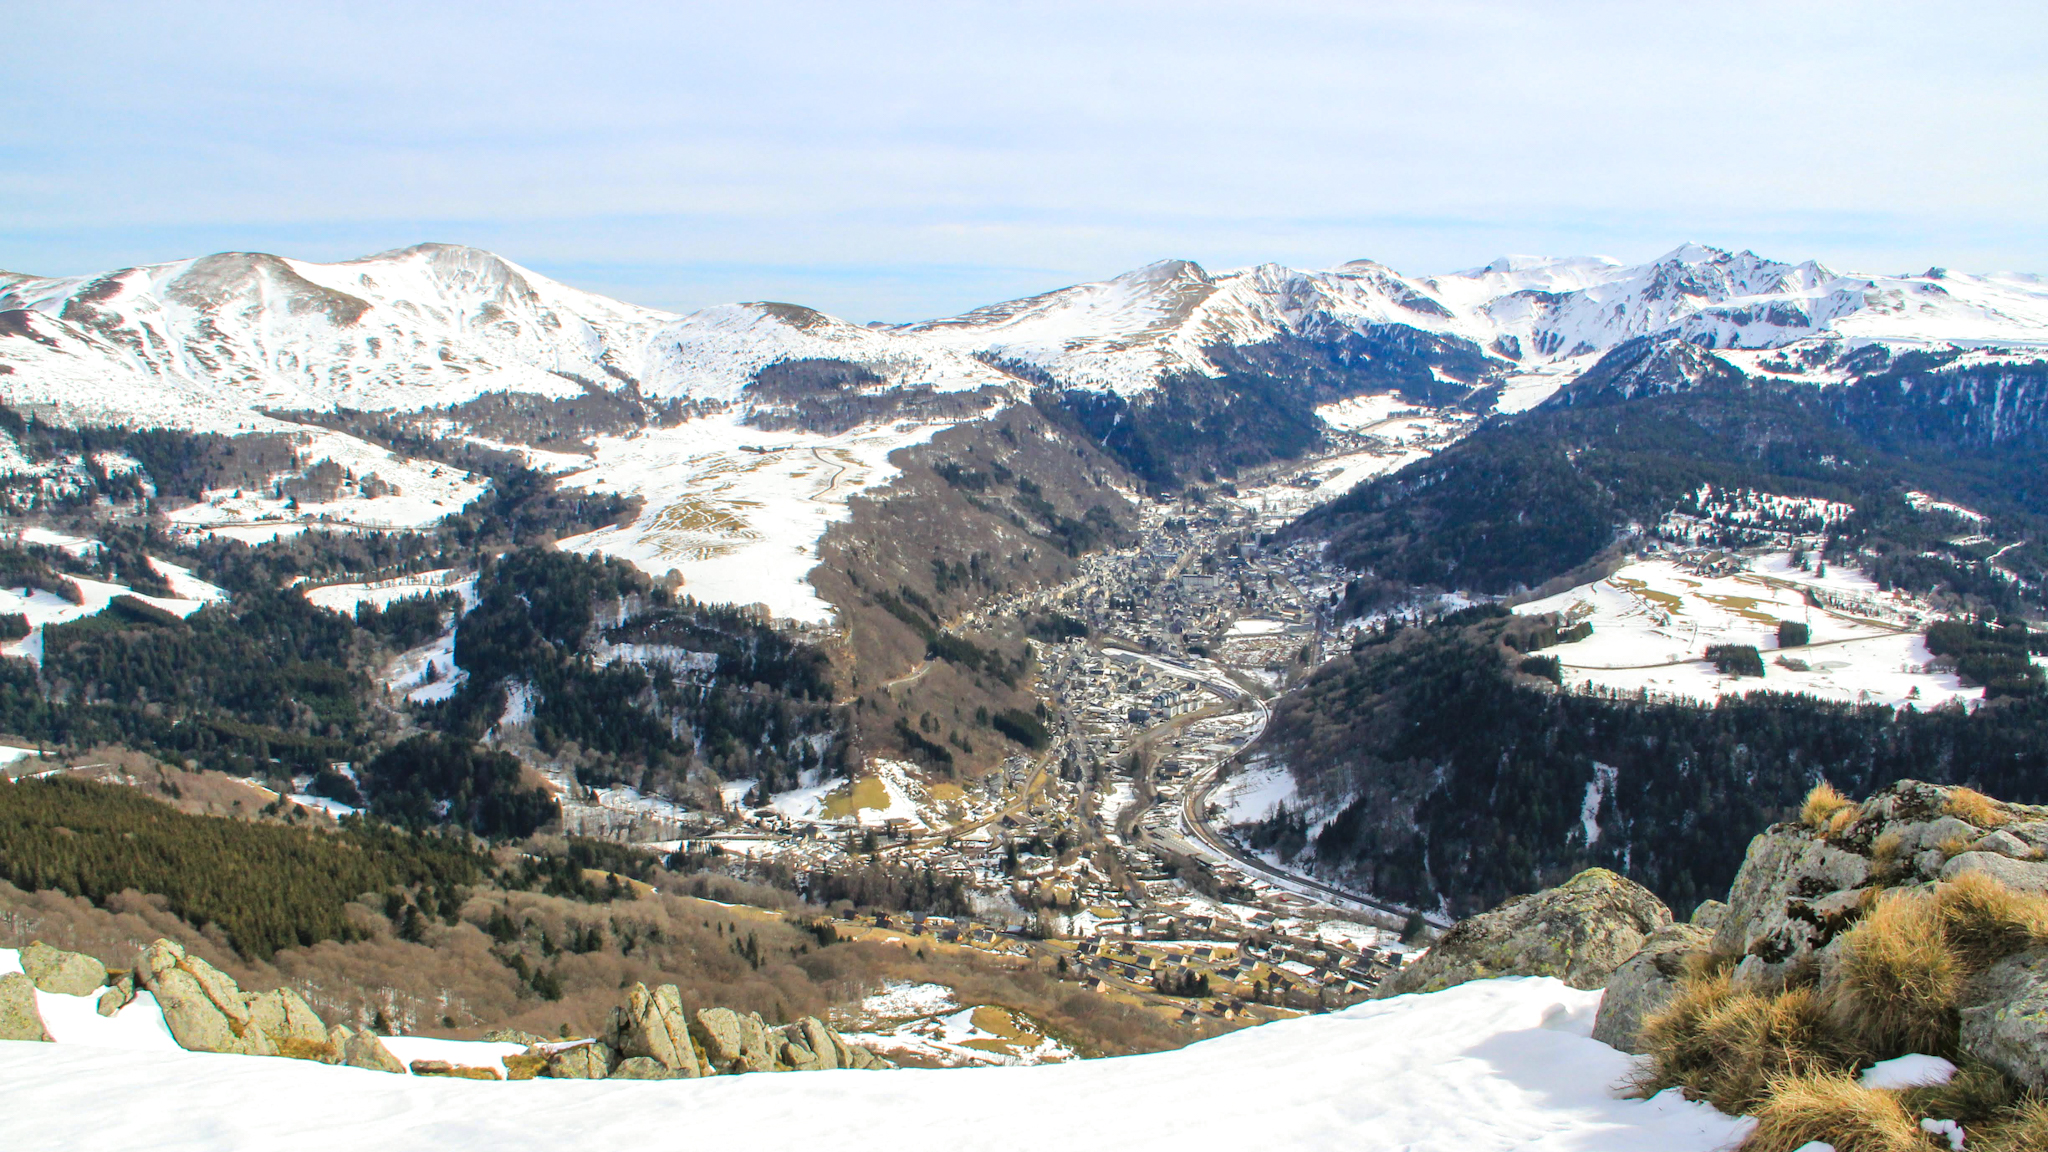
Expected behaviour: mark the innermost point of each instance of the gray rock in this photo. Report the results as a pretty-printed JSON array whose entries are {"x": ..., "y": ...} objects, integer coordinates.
[
  {"x": 643, "y": 1068},
  {"x": 1709, "y": 915},
  {"x": 69, "y": 973},
  {"x": 1929, "y": 835},
  {"x": 1579, "y": 932},
  {"x": 2005, "y": 1023},
  {"x": 1646, "y": 982},
  {"x": 800, "y": 1058},
  {"x": 363, "y": 1050},
  {"x": 820, "y": 1040},
  {"x": 757, "y": 1046},
  {"x": 207, "y": 1012},
  {"x": 652, "y": 1024},
  {"x": 718, "y": 1030},
  {"x": 2019, "y": 875},
  {"x": 514, "y": 1036},
  {"x": 2004, "y": 843},
  {"x": 592, "y": 1061},
  {"x": 1772, "y": 922},
  {"x": 2033, "y": 832},
  {"x": 118, "y": 995},
  {"x": 20, "y": 1019}
]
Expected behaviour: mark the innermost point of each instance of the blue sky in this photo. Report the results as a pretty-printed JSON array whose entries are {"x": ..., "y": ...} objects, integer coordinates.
[{"x": 895, "y": 161}]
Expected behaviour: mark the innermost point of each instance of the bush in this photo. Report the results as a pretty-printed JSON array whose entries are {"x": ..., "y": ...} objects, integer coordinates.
[{"x": 1834, "y": 1109}]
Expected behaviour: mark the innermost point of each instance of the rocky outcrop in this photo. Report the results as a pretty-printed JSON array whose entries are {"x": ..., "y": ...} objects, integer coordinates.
[
  {"x": 362, "y": 1050},
  {"x": 643, "y": 1068},
  {"x": 735, "y": 1043},
  {"x": 652, "y": 1025},
  {"x": 207, "y": 1012},
  {"x": 454, "y": 1071},
  {"x": 69, "y": 973},
  {"x": 20, "y": 1018},
  {"x": 1579, "y": 932},
  {"x": 2016, "y": 874},
  {"x": 1646, "y": 982},
  {"x": 588, "y": 1060},
  {"x": 2005, "y": 1023},
  {"x": 118, "y": 995},
  {"x": 1793, "y": 895}
]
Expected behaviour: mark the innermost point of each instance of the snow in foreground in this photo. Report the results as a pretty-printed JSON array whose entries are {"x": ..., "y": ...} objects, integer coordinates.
[{"x": 1498, "y": 1064}]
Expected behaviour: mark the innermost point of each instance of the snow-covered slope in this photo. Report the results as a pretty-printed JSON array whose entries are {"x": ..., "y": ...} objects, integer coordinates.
[
  {"x": 1484, "y": 1067},
  {"x": 1527, "y": 314},
  {"x": 205, "y": 343},
  {"x": 212, "y": 341}
]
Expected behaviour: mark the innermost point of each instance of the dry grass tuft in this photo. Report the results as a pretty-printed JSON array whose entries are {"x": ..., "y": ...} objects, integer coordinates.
[
  {"x": 1952, "y": 847},
  {"x": 2025, "y": 1129},
  {"x": 1974, "y": 807},
  {"x": 1973, "y": 1095},
  {"x": 1729, "y": 1047},
  {"x": 1984, "y": 921},
  {"x": 1823, "y": 806},
  {"x": 1833, "y": 1108},
  {"x": 299, "y": 1048},
  {"x": 1899, "y": 981}
]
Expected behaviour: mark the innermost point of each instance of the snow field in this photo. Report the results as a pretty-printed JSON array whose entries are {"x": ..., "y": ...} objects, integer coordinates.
[
  {"x": 426, "y": 491},
  {"x": 1654, "y": 619},
  {"x": 736, "y": 511},
  {"x": 1484, "y": 1067},
  {"x": 43, "y": 608}
]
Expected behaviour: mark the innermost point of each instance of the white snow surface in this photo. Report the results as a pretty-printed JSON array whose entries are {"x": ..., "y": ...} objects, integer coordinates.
[
  {"x": 736, "y": 511},
  {"x": 1654, "y": 618},
  {"x": 1484, "y": 1067},
  {"x": 1910, "y": 1071}
]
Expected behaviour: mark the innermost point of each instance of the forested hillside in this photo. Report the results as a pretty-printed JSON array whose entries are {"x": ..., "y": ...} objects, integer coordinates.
[
  {"x": 1529, "y": 498},
  {"x": 1439, "y": 772}
]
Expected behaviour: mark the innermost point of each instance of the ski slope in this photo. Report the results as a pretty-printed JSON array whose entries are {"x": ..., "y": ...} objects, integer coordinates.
[{"x": 1485, "y": 1067}]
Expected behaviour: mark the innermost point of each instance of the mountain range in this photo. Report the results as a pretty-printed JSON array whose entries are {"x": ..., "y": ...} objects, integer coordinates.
[{"x": 211, "y": 343}]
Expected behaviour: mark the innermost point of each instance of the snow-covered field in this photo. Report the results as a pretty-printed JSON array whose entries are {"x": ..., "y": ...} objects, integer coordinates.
[
  {"x": 343, "y": 598},
  {"x": 1485, "y": 1067},
  {"x": 425, "y": 491},
  {"x": 738, "y": 512},
  {"x": 1654, "y": 618},
  {"x": 43, "y": 608},
  {"x": 1254, "y": 793}
]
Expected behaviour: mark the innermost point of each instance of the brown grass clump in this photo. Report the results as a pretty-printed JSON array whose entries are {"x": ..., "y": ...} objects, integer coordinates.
[
  {"x": 300, "y": 1048},
  {"x": 1973, "y": 1095},
  {"x": 1824, "y": 807},
  {"x": 1729, "y": 1047},
  {"x": 1985, "y": 922},
  {"x": 2025, "y": 1129},
  {"x": 1832, "y": 1107},
  {"x": 1899, "y": 981},
  {"x": 1972, "y": 806}
]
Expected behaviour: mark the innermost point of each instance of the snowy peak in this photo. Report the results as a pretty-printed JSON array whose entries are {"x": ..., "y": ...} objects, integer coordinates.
[{"x": 217, "y": 340}]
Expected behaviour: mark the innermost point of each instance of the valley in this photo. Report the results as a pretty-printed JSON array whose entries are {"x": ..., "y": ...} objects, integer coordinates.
[{"x": 1091, "y": 673}]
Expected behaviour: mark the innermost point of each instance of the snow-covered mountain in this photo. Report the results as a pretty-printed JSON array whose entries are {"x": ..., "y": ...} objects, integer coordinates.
[
  {"x": 1522, "y": 315},
  {"x": 210, "y": 342}
]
